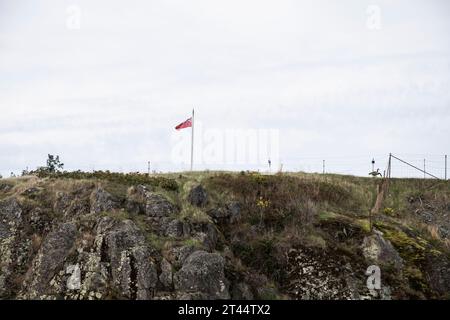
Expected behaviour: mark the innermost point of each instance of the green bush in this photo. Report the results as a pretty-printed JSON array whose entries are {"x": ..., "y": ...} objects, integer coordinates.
[
  {"x": 389, "y": 211},
  {"x": 123, "y": 178}
]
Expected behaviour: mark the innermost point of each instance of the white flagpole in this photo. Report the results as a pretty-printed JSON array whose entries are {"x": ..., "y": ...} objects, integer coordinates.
[{"x": 192, "y": 140}]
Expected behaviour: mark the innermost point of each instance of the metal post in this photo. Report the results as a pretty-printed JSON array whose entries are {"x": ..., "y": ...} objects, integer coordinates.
[
  {"x": 192, "y": 140},
  {"x": 445, "y": 167},
  {"x": 424, "y": 171}
]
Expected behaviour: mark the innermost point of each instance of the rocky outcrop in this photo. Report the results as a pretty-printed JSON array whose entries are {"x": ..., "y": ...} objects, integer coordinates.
[
  {"x": 203, "y": 273},
  {"x": 166, "y": 276},
  {"x": 49, "y": 260},
  {"x": 380, "y": 251},
  {"x": 206, "y": 233},
  {"x": 141, "y": 200},
  {"x": 438, "y": 271},
  {"x": 131, "y": 263},
  {"x": 10, "y": 224},
  {"x": 102, "y": 201},
  {"x": 76, "y": 239},
  {"x": 198, "y": 196},
  {"x": 313, "y": 275},
  {"x": 229, "y": 214}
]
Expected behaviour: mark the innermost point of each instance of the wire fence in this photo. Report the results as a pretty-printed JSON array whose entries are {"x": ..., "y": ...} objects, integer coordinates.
[{"x": 358, "y": 165}]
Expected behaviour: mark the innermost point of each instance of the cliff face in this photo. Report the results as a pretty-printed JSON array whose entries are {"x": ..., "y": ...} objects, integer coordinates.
[{"x": 220, "y": 236}]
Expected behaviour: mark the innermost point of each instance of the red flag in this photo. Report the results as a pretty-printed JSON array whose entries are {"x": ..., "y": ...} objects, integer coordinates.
[{"x": 185, "y": 124}]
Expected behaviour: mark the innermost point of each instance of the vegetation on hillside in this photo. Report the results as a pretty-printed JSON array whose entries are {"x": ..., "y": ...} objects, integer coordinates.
[{"x": 279, "y": 214}]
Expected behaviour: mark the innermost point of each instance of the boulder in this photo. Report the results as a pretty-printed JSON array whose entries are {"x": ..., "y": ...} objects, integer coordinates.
[
  {"x": 198, "y": 196},
  {"x": 123, "y": 245},
  {"x": 166, "y": 276},
  {"x": 62, "y": 202},
  {"x": 206, "y": 233},
  {"x": 158, "y": 206},
  {"x": 10, "y": 210},
  {"x": 177, "y": 229},
  {"x": 203, "y": 272},
  {"x": 49, "y": 260},
  {"x": 378, "y": 250},
  {"x": 231, "y": 213},
  {"x": 102, "y": 201},
  {"x": 177, "y": 255},
  {"x": 141, "y": 200},
  {"x": 437, "y": 267},
  {"x": 314, "y": 274},
  {"x": 10, "y": 243}
]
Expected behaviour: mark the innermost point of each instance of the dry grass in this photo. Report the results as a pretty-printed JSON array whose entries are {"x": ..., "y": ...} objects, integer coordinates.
[{"x": 434, "y": 232}]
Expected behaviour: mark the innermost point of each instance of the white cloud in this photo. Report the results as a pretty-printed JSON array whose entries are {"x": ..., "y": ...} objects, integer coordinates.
[{"x": 131, "y": 72}]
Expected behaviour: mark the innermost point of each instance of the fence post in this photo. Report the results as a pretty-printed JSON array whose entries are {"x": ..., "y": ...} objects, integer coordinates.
[
  {"x": 424, "y": 168},
  {"x": 389, "y": 165},
  {"x": 445, "y": 167}
]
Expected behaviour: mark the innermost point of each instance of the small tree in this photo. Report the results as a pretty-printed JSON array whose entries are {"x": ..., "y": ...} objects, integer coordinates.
[{"x": 54, "y": 164}]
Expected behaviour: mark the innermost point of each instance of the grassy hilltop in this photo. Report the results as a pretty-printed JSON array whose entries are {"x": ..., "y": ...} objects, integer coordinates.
[{"x": 218, "y": 235}]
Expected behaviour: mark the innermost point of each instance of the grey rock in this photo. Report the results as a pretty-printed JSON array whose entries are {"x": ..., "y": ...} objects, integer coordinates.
[
  {"x": 74, "y": 281},
  {"x": 143, "y": 273},
  {"x": 134, "y": 207},
  {"x": 158, "y": 206},
  {"x": 102, "y": 201},
  {"x": 203, "y": 272},
  {"x": 198, "y": 196},
  {"x": 50, "y": 259},
  {"x": 314, "y": 275},
  {"x": 438, "y": 271},
  {"x": 166, "y": 276},
  {"x": 62, "y": 202},
  {"x": 206, "y": 234},
  {"x": 10, "y": 210},
  {"x": 177, "y": 228},
  {"x": 177, "y": 255},
  {"x": 12, "y": 249},
  {"x": 131, "y": 260},
  {"x": 231, "y": 213},
  {"x": 378, "y": 250},
  {"x": 141, "y": 200}
]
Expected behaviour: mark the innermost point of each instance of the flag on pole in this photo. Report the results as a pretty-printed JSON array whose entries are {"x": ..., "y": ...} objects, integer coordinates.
[
  {"x": 185, "y": 124},
  {"x": 189, "y": 123}
]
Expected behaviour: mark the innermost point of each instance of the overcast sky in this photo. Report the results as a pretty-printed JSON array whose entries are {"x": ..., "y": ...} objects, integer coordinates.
[{"x": 103, "y": 83}]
